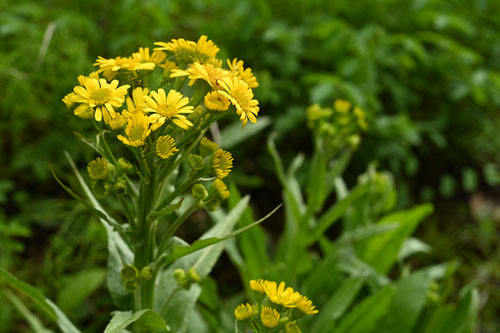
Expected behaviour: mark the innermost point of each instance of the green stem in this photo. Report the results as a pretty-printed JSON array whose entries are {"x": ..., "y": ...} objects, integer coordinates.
[
  {"x": 180, "y": 189},
  {"x": 173, "y": 228},
  {"x": 126, "y": 210}
]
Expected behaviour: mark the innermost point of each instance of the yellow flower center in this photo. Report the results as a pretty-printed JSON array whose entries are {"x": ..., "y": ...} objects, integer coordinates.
[
  {"x": 167, "y": 110},
  {"x": 136, "y": 133},
  {"x": 239, "y": 94},
  {"x": 101, "y": 95}
]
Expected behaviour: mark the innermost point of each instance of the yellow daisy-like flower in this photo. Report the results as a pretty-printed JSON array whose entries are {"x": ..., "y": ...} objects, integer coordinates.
[
  {"x": 81, "y": 78},
  {"x": 202, "y": 51},
  {"x": 292, "y": 327},
  {"x": 222, "y": 163},
  {"x": 110, "y": 67},
  {"x": 236, "y": 66},
  {"x": 117, "y": 122},
  {"x": 216, "y": 101},
  {"x": 100, "y": 96},
  {"x": 241, "y": 96},
  {"x": 205, "y": 72},
  {"x": 305, "y": 305},
  {"x": 136, "y": 103},
  {"x": 168, "y": 107},
  {"x": 137, "y": 130},
  {"x": 143, "y": 56},
  {"x": 269, "y": 317},
  {"x": 221, "y": 188},
  {"x": 68, "y": 99},
  {"x": 258, "y": 285},
  {"x": 98, "y": 168},
  {"x": 243, "y": 311},
  {"x": 280, "y": 295},
  {"x": 165, "y": 146},
  {"x": 342, "y": 106}
]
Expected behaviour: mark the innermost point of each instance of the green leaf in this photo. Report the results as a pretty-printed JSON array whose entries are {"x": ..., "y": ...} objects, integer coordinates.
[
  {"x": 77, "y": 287},
  {"x": 407, "y": 304},
  {"x": 382, "y": 251},
  {"x": 39, "y": 299},
  {"x": 465, "y": 316},
  {"x": 337, "y": 305},
  {"x": 119, "y": 253},
  {"x": 32, "y": 320},
  {"x": 363, "y": 317},
  {"x": 145, "y": 319},
  {"x": 335, "y": 212},
  {"x": 233, "y": 134},
  {"x": 89, "y": 143},
  {"x": 181, "y": 251}
]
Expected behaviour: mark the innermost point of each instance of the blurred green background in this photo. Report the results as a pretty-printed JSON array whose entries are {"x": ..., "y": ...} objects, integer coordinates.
[{"x": 427, "y": 73}]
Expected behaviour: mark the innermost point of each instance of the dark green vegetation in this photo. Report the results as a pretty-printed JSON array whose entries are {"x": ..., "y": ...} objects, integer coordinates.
[{"x": 426, "y": 72}]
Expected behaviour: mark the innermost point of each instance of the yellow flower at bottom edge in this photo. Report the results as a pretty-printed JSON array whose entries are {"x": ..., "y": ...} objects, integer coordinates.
[
  {"x": 137, "y": 130},
  {"x": 243, "y": 311},
  {"x": 238, "y": 92},
  {"x": 98, "y": 168},
  {"x": 165, "y": 147},
  {"x": 168, "y": 107},
  {"x": 101, "y": 96},
  {"x": 269, "y": 317},
  {"x": 222, "y": 163}
]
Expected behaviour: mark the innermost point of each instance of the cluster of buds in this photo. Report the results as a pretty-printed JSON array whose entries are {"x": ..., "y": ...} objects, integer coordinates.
[
  {"x": 108, "y": 177},
  {"x": 186, "y": 279},
  {"x": 275, "y": 309},
  {"x": 132, "y": 277},
  {"x": 340, "y": 124}
]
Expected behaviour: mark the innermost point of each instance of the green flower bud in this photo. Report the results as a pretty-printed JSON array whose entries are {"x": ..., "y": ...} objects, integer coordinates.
[
  {"x": 193, "y": 276},
  {"x": 120, "y": 188},
  {"x": 196, "y": 162},
  {"x": 199, "y": 191},
  {"x": 100, "y": 189},
  {"x": 146, "y": 273},
  {"x": 129, "y": 273},
  {"x": 130, "y": 285},
  {"x": 207, "y": 147},
  {"x": 353, "y": 140},
  {"x": 180, "y": 276},
  {"x": 122, "y": 165}
]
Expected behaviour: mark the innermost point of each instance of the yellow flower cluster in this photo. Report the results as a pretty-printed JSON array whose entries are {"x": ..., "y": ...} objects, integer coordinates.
[{"x": 277, "y": 306}]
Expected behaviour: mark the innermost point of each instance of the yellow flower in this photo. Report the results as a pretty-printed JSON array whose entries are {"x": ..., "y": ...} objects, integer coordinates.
[
  {"x": 98, "y": 168},
  {"x": 342, "y": 106},
  {"x": 168, "y": 66},
  {"x": 360, "y": 114},
  {"x": 168, "y": 107},
  {"x": 243, "y": 311},
  {"x": 143, "y": 56},
  {"x": 165, "y": 146},
  {"x": 137, "y": 130},
  {"x": 206, "y": 72},
  {"x": 216, "y": 101},
  {"x": 117, "y": 122},
  {"x": 280, "y": 295},
  {"x": 305, "y": 305},
  {"x": 111, "y": 66},
  {"x": 241, "y": 96},
  {"x": 68, "y": 99},
  {"x": 222, "y": 163},
  {"x": 221, "y": 188},
  {"x": 292, "y": 327},
  {"x": 258, "y": 285},
  {"x": 203, "y": 51},
  {"x": 236, "y": 66},
  {"x": 100, "y": 96},
  {"x": 269, "y": 317},
  {"x": 81, "y": 78},
  {"x": 136, "y": 103}
]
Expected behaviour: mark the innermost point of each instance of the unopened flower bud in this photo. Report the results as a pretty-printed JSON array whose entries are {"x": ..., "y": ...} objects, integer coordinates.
[
  {"x": 207, "y": 147},
  {"x": 100, "y": 189},
  {"x": 199, "y": 191},
  {"x": 146, "y": 273},
  {"x": 129, "y": 273},
  {"x": 196, "y": 162},
  {"x": 131, "y": 285},
  {"x": 122, "y": 165},
  {"x": 120, "y": 188},
  {"x": 193, "y": 276}
]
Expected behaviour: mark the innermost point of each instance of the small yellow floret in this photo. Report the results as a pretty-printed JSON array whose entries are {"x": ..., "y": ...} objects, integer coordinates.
[
  {"x": 222, "y": 163},
  {"x": 168, "y": 107},
  {"x": 269, "y": 317},
  {"x": 243, "y": 311},
  {"x": 216, "y": 101},
  {"x": 305, "y": 305},
  {"x": 137, "y": 130},
  {"x": 342, "y": 106},
  {"x": 241, "y": 96},
  {"x": 258, "y": 285},
  {"x": 281, "y": 296},
  {"x": 236, "y": 66},
  {"x": 221, "y": 188},
  {"x": 165, "y": 146}
]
